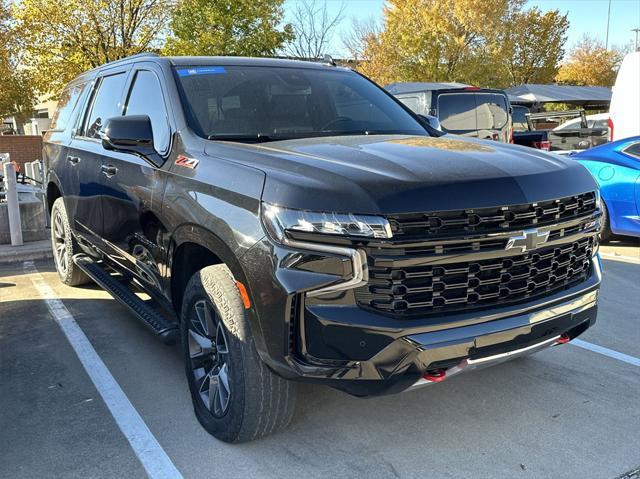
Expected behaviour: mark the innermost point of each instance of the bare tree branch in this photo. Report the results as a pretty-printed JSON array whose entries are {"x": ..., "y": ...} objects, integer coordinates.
[
  {"x": 313, "y": 28},
  {"x": 361, "y": 34}
]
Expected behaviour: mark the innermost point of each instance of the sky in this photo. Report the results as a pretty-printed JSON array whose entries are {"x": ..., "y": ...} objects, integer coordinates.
[{"x": 585, "y": 17}]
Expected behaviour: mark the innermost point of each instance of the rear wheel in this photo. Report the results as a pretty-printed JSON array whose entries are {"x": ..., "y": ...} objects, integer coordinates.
[
  {"x": 63, "y": 247},
  {"x": 235, "y": 396}
]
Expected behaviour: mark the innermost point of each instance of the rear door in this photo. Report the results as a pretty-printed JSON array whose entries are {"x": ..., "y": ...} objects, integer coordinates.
[
  {"x": 476, "y": 114},
  {"x": 133, "y": 190},
  {"x": 85, "y": 153},
  {"x": 58, "y": 160}
]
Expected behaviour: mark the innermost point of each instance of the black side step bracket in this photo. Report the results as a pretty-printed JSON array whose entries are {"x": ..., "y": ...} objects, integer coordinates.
[{"x": 166, "y": 329}]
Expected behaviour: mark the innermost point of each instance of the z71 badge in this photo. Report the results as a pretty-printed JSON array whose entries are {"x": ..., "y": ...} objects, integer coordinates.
[{"x": 187, "y": 162}]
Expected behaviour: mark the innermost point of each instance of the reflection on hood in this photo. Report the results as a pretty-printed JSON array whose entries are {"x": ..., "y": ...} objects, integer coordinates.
[{"x": 443, "y": 143}]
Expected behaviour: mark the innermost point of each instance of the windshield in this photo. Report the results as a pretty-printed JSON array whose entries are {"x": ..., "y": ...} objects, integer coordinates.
[{"x": 263, "y": 103}]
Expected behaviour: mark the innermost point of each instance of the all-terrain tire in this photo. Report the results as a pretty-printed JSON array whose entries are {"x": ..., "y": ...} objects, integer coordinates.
[
  {"x": 259, "y": 402},
  {"x": 605, "y": 233},
  {"x": 64, "y": 247}
]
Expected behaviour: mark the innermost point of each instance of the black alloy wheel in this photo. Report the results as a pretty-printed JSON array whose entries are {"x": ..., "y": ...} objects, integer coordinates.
[{"x": 209, "y": 354}]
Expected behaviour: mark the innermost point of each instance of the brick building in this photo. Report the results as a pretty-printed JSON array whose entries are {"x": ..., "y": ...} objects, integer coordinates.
[{"x": 22, "y": 148}]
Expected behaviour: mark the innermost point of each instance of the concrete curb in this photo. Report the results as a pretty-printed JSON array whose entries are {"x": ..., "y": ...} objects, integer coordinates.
[{"x": 31, "y": 251}]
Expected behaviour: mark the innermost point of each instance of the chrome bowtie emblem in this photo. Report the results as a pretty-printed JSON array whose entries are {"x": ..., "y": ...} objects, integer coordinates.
[{"x": 528, "y": 240}]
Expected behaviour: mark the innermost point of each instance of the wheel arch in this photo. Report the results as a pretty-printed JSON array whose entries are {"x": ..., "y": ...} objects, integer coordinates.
[
  {"x": 193, "y": 248},
  {"x": 53, "y": 192}
]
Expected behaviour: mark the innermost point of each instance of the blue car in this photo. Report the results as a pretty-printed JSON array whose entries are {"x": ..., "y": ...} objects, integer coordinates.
[{"x": 616, "y": 168}]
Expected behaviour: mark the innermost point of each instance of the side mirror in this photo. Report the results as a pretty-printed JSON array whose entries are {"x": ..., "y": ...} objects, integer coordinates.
[
  {"x": 129, "y": 134},
  {"x": 431, "y": 121}
]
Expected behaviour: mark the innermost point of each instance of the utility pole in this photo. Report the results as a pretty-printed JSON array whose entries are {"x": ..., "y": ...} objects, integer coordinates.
[
  {"x": 636, "y": 30},
  {"x": 606, "y": 41}
]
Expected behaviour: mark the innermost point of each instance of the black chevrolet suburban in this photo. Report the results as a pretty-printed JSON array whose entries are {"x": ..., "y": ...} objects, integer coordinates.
[{"x": 292, "y": 221}]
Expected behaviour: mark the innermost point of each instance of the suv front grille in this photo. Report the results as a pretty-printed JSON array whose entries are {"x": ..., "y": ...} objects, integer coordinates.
[
  {"x": 473, "y": 285},
  {"x": 490, "y": 220}
]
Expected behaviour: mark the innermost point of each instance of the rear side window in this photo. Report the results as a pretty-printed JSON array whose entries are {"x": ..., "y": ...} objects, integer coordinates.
[
  {"x": 145, "y": 98},
  {"x": 106, "y": 103},
  {"x": 66, "y": 106},
  {"x": 633, "y": 150},
  {"x": 456, "y": 111}
]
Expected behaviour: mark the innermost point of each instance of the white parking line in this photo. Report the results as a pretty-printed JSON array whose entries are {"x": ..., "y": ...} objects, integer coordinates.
[
  {"x": 619, "y": 257},
  {"x": 606, "y": 352},
  {"x": 150, "y": 453}
]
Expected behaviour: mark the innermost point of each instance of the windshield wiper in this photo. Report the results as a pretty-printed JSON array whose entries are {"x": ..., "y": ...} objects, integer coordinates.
[{"x": 259, "y": 138}]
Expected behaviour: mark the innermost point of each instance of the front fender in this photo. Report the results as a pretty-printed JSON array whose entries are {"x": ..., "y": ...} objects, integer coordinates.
[{"x": 192, "y": 233}]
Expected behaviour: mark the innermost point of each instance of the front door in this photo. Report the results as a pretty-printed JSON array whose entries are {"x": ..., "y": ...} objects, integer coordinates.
[{"x": 132, "y": 188}]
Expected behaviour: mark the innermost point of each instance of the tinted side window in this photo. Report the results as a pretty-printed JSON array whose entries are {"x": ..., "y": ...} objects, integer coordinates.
[
  {"x": 457, "y": 111},
  {"x": 106, "y": 103},
  {"x": 633, "y": 150},
  {"x": 145, "y": 98},
  {"x": 66, "y": 105}
]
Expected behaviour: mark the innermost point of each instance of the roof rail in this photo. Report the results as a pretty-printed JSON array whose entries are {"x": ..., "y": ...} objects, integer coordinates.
[
  {"x": 130, "y": 57},
  {"x": 328, "y": 60}
]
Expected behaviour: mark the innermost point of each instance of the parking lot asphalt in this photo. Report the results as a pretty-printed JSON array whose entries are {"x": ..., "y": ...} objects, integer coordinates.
[{"x": 566, "y": 412}]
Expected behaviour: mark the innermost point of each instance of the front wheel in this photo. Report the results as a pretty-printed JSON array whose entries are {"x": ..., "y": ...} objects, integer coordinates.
[
  {"x": 63, "y": 246},
  {"x": 235, "y": 396}
]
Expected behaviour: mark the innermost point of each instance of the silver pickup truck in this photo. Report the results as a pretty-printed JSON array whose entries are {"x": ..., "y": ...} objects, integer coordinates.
[{"x": 568, "y": 130}]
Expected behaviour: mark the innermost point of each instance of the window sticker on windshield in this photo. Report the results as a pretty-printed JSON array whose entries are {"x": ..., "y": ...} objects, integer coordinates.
[{"x": 200, "y": 71}]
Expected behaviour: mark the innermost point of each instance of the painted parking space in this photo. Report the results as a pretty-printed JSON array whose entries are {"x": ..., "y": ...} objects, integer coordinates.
[
  {"x": 565, "y": 412},
  {"x": 52, "y": 421}
]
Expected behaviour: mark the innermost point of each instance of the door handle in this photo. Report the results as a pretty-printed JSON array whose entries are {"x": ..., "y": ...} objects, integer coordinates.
[
  {"x": 74, "y": 160},
  {"x": 109, "y": 170}
]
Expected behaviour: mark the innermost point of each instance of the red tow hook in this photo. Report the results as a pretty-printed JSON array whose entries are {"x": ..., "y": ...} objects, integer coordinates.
[
  {"x": 436, "y": 376},
  {"x": 563, "y": 339}
]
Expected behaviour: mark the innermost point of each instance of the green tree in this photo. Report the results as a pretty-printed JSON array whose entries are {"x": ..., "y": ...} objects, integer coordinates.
[
  {"x": 590, "y": 64},
  {"x": 16, "y": 93},
  {"x": 217, "y": 27},
  {"x": 483, "y": 43},
  {"x": 64, "y": 38},
  {"x": 430, "y": 40},
  {"x": 532, "y": 46}
]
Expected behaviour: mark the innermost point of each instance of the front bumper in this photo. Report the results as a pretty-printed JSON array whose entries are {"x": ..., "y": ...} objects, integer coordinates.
[{"x": 331, "y": 340}]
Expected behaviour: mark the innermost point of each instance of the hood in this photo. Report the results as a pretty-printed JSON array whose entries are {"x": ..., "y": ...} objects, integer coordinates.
[{"x": 402, "y": 174}]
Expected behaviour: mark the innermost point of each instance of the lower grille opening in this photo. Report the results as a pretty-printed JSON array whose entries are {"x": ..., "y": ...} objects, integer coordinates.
[{"x": 463, "y": 286}]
